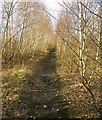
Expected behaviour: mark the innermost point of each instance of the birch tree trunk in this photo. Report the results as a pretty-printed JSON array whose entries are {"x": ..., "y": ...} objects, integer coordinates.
[{"x": 81, "y": 41}]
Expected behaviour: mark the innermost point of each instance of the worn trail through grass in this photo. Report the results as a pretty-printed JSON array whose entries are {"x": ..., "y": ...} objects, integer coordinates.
[{"x": 39, "y": 95}]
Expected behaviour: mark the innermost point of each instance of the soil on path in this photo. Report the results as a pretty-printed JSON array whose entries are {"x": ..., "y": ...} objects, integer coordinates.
[{"x": 40, "y": 95}]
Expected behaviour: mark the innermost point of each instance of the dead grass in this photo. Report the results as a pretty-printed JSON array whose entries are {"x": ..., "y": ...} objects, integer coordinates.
[
  {"x": 38, "y": 90},
  {"x": 77, "y": 95}
]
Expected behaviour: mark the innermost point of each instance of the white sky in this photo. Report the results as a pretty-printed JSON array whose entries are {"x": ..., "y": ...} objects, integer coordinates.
[
  {"x": 52, "y": 4},
  {"x": 53, "y": 7}
]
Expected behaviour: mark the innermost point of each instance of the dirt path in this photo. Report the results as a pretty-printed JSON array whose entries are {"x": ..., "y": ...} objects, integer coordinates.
[
  {"x": 48, "y": 103},
  {"x": 44, "y": 93},
  {"x": 45, "y": 102},
  {"x": 40, "y": 95}
]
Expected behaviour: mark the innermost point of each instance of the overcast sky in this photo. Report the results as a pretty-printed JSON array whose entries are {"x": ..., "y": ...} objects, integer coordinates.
[
  {"x": 53, "y": 7},
  {"x": 52, "y": 4}
]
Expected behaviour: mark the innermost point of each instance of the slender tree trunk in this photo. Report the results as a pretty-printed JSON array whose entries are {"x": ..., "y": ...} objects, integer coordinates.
[{"x": 80, "y": 38}]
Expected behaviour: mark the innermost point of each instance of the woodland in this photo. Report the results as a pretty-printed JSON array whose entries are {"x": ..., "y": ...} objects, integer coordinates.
[{"x": 49, "y": 72}]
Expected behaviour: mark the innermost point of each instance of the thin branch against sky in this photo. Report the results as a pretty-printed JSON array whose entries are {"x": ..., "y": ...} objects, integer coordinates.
[{"x": 52, "y": 7}]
